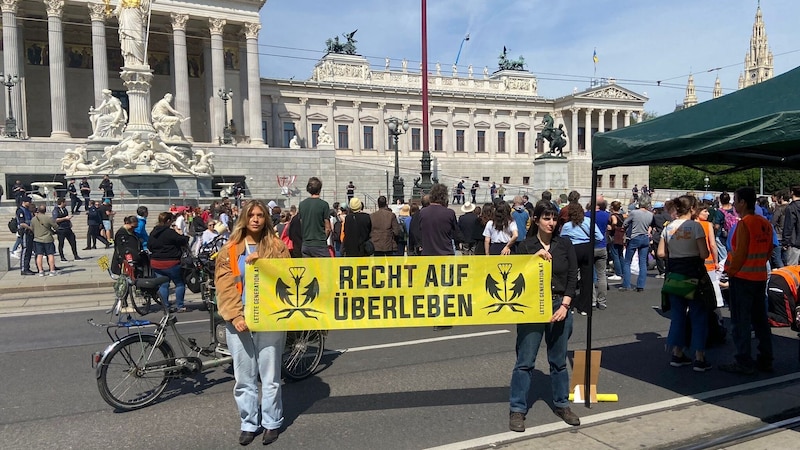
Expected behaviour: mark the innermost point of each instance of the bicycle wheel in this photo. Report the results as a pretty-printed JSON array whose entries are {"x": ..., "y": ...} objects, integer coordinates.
[
  {"x": 302, "y": 353},
  {"x": 127, "y": 380},
  {"x": 139, "y": 301}
]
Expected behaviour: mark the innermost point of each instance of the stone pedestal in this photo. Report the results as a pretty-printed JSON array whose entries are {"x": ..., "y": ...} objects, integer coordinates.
[
  {"x": 325, "y": 146},
  {"x": 137, "y": 81},
  {"x": 550, "y": 174},
  {"x": 163, "y": 185}
]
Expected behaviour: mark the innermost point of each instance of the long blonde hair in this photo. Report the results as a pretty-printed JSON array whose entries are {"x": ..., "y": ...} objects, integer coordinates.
[{"x": 266, "y": 240}]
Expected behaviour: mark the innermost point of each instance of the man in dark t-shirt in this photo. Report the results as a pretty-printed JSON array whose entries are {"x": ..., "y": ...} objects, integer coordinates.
[
  {"x": 313, "y": 213},
  {"x": 438, "y": 225}
]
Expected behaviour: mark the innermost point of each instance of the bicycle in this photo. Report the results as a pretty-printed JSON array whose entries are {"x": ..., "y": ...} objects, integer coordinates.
[{"x": 135, "y": 369}]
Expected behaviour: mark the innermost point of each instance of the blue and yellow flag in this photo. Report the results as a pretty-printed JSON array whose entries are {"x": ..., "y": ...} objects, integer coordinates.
[
  {"x": 388, "y": 292},
  {"x": 594, "y": 56}
]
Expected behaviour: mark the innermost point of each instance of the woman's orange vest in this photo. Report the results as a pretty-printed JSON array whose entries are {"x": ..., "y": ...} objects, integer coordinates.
[{"x": 759, "y": 250}]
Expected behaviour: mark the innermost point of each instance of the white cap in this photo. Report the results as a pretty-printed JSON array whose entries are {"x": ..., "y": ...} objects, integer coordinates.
[{"x": 272, "y": 204}]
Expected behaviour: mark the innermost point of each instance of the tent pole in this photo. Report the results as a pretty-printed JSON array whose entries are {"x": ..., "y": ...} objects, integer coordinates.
[{"x": 592, "y": 240}]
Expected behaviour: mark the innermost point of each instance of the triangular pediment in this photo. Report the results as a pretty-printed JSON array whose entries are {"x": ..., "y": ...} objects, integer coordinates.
[
  {"x": 502, "y": 125},
  {"x": 415, "y": 121},
  {"x": 318, "y": 117},
  {"x": 482, "y": 124},
  {"x": 342, "y": 118},
  {"x": 289, "y": 115},
  {"x": 368, "y": 119},
  {"x": 439, "y": 123},
  {"x": 461, "y": 124},
  {"x": 522, "y": 126},
  {"x": 612, "y": 92}
]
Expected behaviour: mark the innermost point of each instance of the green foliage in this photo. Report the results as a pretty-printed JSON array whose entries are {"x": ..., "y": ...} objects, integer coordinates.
[{"x": 685, "y": 178}]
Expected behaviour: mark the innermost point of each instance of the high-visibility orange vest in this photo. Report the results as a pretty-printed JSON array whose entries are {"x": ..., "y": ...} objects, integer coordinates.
[
  {"x": 759, "y": 250},
  {"x": 711, "y": 243}
]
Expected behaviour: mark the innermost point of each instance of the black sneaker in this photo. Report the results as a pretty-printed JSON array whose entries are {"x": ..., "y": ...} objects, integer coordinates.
[
  {"x": 270, "y": 436},
  {"x": 680, "y": 361},
  {"x": 602, "y": 306},
  {"x": 516, "y": 422},
  {"x": 737, "y": 368},
  {"x": 247, "y": 437},
  {"x": 568, "y": 416},
  {"x": 700, "y": 366}
]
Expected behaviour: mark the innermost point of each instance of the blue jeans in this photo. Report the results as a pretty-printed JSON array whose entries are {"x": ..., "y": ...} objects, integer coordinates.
[
  {"x": 529, "y": 337},
  {"x": 616, "y": 257},
  {"x": 747, "y": 310},
  {"x": 175, "y": 275},
  {"x": 257, "y": 354},
  {"x": 698, "y": 316},
  {"x": 639, "y": 244},
  {"x": 777, "y": 257}
]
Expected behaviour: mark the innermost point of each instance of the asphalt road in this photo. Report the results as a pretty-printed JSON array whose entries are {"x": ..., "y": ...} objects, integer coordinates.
[{"x": 405, "y": 396}]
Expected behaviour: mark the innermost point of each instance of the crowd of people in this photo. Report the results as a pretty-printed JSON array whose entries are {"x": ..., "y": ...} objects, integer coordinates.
[{"x": 733, "y": 241}]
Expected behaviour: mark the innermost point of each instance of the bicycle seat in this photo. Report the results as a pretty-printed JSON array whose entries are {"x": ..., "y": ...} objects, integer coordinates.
[{"x": 151, "y": 283}]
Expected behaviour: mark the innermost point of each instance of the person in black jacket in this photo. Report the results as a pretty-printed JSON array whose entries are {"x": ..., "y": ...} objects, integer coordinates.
[
  {"x": 166, "y": 244},
  {"x": 357, "y": 228},
  {"x": 542, "y": 241},
  {"x": 94, "y": 222},
  {"x": 471, "y": 230},
  {"x": 126, "y": 242}
]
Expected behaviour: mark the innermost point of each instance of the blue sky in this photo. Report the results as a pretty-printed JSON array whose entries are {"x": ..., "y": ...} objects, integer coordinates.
[{"x": 638, "y": 42}]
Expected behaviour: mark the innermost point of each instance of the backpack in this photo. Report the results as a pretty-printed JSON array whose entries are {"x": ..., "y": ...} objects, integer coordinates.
[
  {"x": 13, "y": 225},
  {"x": 198, "y": 225},
  {"x": 337, "y": 231},
  {"x": 729, "y": 220},
  {"x": 403, "y": 238},
  {"x": 618, "y": 237},
  {"x": 285, "y": 237}
]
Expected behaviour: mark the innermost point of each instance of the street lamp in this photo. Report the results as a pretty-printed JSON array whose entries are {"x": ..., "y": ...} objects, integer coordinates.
[
  {"x": 225, "y": 95},
  {"x": 706, "y": 181},
  {"x": 396, "y": 128},
  {"x": 11, "y": 123}
]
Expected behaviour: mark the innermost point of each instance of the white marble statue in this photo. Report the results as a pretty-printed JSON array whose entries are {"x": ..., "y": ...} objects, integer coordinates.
[
  {"x": 387, "y": 62},
  {"x": 469, "y": 70},
  {"x": 166, "y": 120},
  {"x": 323, "y": 137},
  {"x": 293, "y": 143},
  {"x": 132, "y": 16},
  {"x": 74, "y": 160},
  {"x": 166, "y": 157},
  {"x": 108, "y": 119},
  {"x": 203, "y": 165},
  {"x": 485, "y": 72},
  {"x": 455, "y": 70},
  {"x": 405, "y": 65},
  {"x": 125, "y": 155},
  {"x": 438, "y": 68}
]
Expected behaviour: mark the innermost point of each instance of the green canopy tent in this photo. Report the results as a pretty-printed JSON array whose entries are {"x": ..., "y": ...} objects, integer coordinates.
[{"x": 754, "y": 127}]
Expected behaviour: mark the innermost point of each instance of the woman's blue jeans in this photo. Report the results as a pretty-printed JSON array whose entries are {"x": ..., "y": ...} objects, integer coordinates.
[
  {"x": 640, "y": 244},
  {"x": 529, "y": 337},
  {"x": 257, "y": 354},
  {"x": 698, "y": 316},
  {"x": 175, "y": 274}
]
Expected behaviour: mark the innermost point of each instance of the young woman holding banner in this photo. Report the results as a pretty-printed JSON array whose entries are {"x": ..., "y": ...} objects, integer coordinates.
[
  {"x": 541, "y": 241},
  {"x": 254, "y": 353}
]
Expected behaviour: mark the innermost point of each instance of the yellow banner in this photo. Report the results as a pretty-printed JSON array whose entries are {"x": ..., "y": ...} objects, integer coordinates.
[{"x": 389, "y": 292}]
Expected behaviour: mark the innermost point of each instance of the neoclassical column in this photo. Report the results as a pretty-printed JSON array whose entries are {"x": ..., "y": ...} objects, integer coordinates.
[
  {"x": 587, "y": 132},
  {"x": 182, "y": 102},
  {"x": 573, "y": 139},
  {"x": 253, "y": 82},
  {"x": 534, "y": 133},
  {"x": 241, "y": 109},
  {"x": 304, "y": 131},
  {"x": 331, "y": 122},
  {"x": 216, "y": 28},
  {"x": 471, "y": 138},
  {"x": 97, "y": 13},
  {"x": 450, "y": 140},
  {"x": 355, "y": 134},
  {"x": 380, "y": 130},
  {"x": 512, "y": 145},
  {"x": 491, "y": 139},
  {"x": 614, "y": 119},
  {"x": 601, "y": 121},
  {"x": 277, "y": 128},
  {"x": 11, "y": 60},
  {"x": 405, "y": 138},
  {"x": 58, "y": 82},
  {"x": 626, "y": 119}
]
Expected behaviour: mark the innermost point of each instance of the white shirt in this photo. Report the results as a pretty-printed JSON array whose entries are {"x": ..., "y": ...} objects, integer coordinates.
[
  {"x": 681, "y": 237},
  {"x": 503, "y": 236}
]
